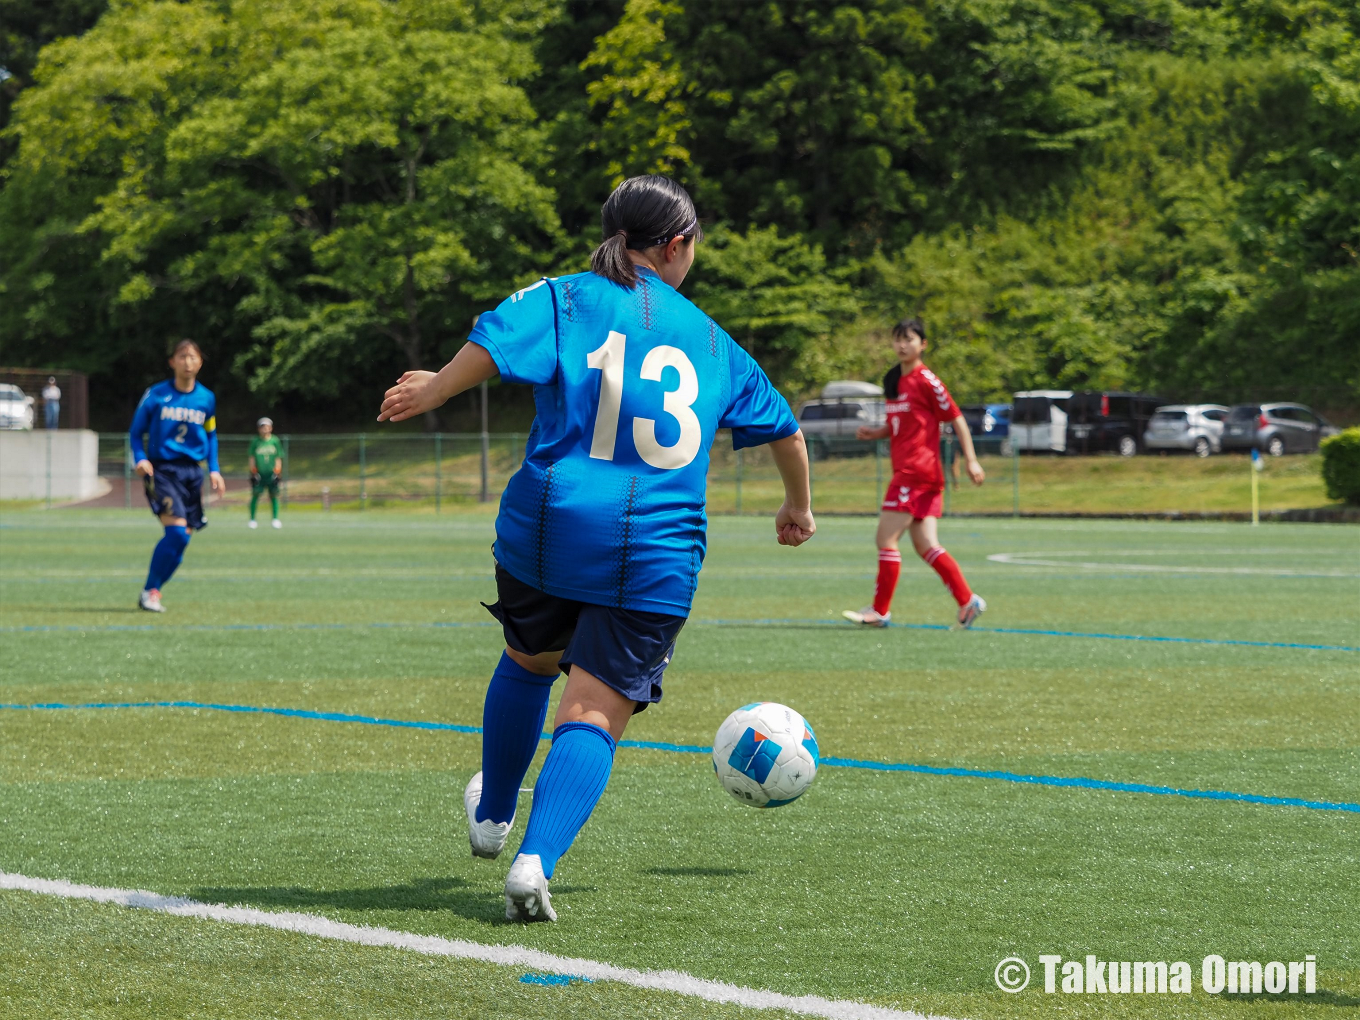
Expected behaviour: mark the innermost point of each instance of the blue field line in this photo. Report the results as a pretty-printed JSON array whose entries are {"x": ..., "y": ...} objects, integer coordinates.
[
  {"x": 555, "y": 979},
  {"x": 199, "y": 627},
  {"x": 758, "y": 622},
  {"x": 654, "y": 745},
  {"x": 1041, "y": 633},
  {"x": 1093, "y": 784},
  {"x": 294, "y": 713}
]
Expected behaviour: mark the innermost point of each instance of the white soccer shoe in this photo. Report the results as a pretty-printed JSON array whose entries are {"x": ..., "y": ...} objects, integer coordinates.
[
  {"x": 526, "y": 891},
  {"x": 487, "y": 837},
  {"x": 868, "y": 617},
  {"x": 276, "y": 524},
  {"x": 150, "y": 600},
  {"x": 971, "y": 610},
  {"x": 253, "y": 525}
]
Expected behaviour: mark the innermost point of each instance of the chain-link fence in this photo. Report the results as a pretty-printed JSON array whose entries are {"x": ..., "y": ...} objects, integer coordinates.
[
  {"x": 444, "y": 471},
  {"x": 360, "y": 471}
]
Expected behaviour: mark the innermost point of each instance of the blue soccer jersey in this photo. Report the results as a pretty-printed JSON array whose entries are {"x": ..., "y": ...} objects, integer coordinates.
[
  {"x": 178, "y": 426},
  {"x": 630, "y": 388}
]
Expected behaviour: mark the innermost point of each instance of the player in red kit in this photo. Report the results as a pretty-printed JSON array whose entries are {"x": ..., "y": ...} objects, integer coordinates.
[{"x": 917, "y": 405}]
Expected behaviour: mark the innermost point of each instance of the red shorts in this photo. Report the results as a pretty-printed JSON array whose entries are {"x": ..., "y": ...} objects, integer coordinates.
[{"x": 904, "y": 498}]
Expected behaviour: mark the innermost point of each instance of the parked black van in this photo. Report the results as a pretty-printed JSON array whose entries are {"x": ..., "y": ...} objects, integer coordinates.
[{"x": 1109, "y": 420}]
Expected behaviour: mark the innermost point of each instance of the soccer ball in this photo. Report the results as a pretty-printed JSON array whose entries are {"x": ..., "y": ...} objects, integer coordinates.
[{"x": 765, "y": 754}]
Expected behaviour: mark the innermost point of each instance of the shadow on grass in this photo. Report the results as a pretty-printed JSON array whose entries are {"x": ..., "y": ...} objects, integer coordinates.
[
  {"x": 431, "y": 894},
  {"x": 455, "y": 895},
  {"x": 697, "y": 872}
]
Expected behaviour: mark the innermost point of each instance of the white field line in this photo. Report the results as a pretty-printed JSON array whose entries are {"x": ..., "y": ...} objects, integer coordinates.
[
  {"x": 1025, "y": 560},
  {"x": 432, "y": 945}
]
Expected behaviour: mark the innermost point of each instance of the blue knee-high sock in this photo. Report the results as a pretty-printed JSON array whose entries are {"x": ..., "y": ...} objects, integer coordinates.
[
  {"x": 566, "y": 791},
  {"x": 168, "y": 553},
  {"x": 512, "y": 725}
]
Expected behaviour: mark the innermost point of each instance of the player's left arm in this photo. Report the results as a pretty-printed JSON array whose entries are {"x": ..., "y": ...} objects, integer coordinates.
[
  {"x": 965, "y": 439},
  {"x": 793, "y": 524},
  {"x": 219, "y": 486},
  {"x": 759, "y": 416}
]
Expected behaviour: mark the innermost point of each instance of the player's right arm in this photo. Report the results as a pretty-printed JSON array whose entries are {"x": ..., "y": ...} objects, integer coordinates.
[
  {"x": 418, "y": 392},
  {"x": 141, "y": 422},
  {"x": 517, "y": 342}
]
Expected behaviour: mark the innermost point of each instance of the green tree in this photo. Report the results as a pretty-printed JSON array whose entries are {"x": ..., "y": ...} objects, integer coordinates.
[
  {"x": 26, "y": 26},
  {"x": 642, "y": 90},
  {"x": 775, "y": 297},
  {"x": 315, "y": 177}
]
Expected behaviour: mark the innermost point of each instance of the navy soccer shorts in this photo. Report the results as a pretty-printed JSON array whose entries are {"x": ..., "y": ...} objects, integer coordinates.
[
  {"x": 626, "y": 648},
  {"x": 177, "y": 489}
]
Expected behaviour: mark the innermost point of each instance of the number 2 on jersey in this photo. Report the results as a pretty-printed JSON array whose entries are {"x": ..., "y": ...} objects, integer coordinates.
[{"x": 678, "y": 403}]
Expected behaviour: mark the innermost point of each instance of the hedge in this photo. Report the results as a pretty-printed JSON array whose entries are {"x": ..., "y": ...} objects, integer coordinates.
[{"x": 1341, "y": 465}]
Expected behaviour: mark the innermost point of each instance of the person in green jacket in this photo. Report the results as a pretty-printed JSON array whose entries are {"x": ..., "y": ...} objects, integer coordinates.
[{"x": 266, "y": 467}]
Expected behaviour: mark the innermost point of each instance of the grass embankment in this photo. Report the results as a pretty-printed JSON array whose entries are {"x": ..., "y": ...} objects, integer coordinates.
[
  {"x": 1047, "y": 484},
  {"x": 403, "y": 470}
]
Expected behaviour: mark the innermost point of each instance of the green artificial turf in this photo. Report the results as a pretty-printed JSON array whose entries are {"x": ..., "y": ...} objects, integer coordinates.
[{"x": 897, "y": 888}]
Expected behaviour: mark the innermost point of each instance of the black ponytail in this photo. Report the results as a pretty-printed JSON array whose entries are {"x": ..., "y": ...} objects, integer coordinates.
[{"x": 642, "y": 212}]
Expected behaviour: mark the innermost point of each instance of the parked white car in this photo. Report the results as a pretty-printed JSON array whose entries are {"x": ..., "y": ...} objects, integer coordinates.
[
  {"x": 16, "y": 410},
  {"x": 1039, "y": 420},
  {"x": 1194, "y": 427}
]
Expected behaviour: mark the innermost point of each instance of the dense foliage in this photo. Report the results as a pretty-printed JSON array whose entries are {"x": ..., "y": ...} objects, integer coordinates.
[
  {"x": 1341, "y": 465},
  {"x": 1162, "y": 194}
]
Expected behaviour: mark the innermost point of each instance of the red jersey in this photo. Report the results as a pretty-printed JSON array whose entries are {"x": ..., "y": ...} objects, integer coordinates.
[{"x": 915, "y": 412}]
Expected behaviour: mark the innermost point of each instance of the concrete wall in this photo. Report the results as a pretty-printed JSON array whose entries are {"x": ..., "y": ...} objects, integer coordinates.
[{"x": 70, "y": 457}]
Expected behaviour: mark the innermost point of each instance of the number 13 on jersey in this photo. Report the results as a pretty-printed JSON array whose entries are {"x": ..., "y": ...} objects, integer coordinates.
[{"x": 608, "y": 359}]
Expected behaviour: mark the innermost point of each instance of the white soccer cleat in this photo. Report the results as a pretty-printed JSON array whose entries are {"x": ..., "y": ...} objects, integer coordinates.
[
  {"x": 276, "y": 524},
  {"x": 150, "y": 600},
  {"x": 971, "y": 610},
  {"x": 487, "y": 837},
  {"x": 253, "y": 525},
  {"x": 868, "y": 617},
  {"x": 526, "y": 891}
]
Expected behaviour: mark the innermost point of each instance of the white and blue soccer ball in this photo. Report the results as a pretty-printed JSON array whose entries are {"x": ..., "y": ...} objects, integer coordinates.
[{"x": 765, "y": 754}]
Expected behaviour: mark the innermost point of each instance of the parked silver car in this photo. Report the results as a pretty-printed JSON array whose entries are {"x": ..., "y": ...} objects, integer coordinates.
[
  {"x": 1194, "y": 427},
  {"x": 16, "y": 410},
  {"x": 1276, "y": 428},
  {"x": 829, "y": 424}
]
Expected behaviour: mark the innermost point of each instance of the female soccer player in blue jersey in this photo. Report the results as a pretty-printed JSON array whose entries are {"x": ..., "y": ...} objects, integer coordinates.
[
  {"x": 601, "y": 531},
  {"x": 179, "y": 419}
]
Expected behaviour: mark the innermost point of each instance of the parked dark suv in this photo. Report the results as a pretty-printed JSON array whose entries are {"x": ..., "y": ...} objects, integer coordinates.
[
  {"x": 1109, "y": 420},
  {"x": 1276, "y": 428},
  {"x": 990, "y": 426}
]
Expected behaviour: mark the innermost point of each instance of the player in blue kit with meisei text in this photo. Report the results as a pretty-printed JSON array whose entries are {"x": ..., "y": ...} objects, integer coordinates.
[
  {"x": 178, "y": 418},
  {"x": 601, "y": 531}
]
